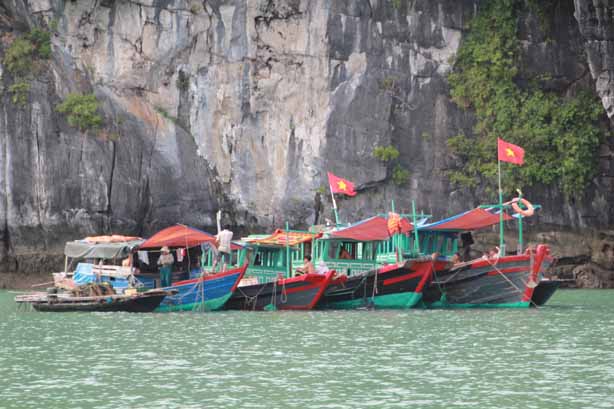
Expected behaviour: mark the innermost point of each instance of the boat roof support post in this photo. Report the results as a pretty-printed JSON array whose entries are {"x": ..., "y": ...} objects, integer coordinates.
[
  {"x": 413, "y": 215},
  {"x": 520, "y": 244},
  {"x": 288, "y": 258}
]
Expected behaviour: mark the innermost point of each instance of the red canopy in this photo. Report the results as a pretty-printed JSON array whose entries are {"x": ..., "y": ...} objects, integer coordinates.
[
  {"x": 372, "y": 229},
  {"x": 178, "y": 235},
  {"x": 471, "y": 220}
]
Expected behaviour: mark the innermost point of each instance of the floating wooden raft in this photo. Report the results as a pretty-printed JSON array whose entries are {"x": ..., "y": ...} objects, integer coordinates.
[{"x": 142, "y": 302}]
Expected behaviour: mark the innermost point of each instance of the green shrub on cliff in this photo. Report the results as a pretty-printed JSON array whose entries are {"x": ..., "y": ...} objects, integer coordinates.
[
  {"x": 19, "y": 92},
  {"x": 386, "y": 153},
  {"x": 81, "y": 111},
  {"x": 400, "y": 175},
  {"x": 560, "y": 135},
  {"x": 389, "y": 154},
  {"x": 24, "y": 53}
]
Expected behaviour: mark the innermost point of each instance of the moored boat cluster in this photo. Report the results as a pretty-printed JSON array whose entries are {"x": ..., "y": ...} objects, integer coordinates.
[{"x": 386, "y": 261}]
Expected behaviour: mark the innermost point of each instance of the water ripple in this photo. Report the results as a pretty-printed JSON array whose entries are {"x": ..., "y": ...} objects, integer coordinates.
[{"x": 559, "y": 356}]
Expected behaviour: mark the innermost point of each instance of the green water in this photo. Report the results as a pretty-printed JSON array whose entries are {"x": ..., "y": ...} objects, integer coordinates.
[{"x": 560, "y": 356}]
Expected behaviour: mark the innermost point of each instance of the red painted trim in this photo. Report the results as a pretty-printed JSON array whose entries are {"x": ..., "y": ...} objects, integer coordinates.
[
  {"x": 404, "y": 277},
  {"x": 389, "y": 267},
  {"x": 433, "y": 266},
  {"x": 315, "y": 280},
  {"x": 501, "y": 260},
  {"x": 419, "y": 268},
  {"x": 327, "y": 279},
  {"x": 541, "y": 252},
  {"x": 243, "y": 270},
  {"x": 216, "y": 276},
  {"x": 302, "y": 288}
]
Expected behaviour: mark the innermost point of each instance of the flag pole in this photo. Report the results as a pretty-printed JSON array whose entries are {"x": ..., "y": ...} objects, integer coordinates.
[
  {"x": 501, "y": 239},
  {"x": 332, "y": 195},
  {"x": 413, "y": 216}
]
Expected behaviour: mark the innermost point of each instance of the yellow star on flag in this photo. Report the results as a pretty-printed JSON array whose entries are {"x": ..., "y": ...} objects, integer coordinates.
[
  {"x": 509, "y": 152},
  {"x": 341, "y": 185}
]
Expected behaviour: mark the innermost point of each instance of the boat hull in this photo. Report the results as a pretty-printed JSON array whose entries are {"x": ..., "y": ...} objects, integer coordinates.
[
  {"x": 507, "y": 282},
  {"x": 202, "y": 294},
  {"x": 138, "y": 303},
  {"x": 544, "y": 291},
  {"x": 296, "y": 293},
  {"x": 390, "y": 287}
]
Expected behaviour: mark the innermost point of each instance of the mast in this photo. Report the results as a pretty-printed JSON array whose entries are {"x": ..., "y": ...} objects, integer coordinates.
[
  {"x": 332, "y": 195},
  {"x": 501, "y": 239},
  {"x": 413, "y": 215}
]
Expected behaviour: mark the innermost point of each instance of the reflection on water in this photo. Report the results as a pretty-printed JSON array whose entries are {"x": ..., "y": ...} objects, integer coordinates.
[{"x": 558, "y": 356}]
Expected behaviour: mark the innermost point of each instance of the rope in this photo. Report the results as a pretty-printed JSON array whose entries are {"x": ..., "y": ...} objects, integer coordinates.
[
  {"x": 284, "y": 294},
  {"x": 200, "y": 305},
  {"x": 274, "y": 295},
  {"x": 510, "y": 281},
  {"x": 374, "y": 285},
  {"x": 251, "y": 300}
]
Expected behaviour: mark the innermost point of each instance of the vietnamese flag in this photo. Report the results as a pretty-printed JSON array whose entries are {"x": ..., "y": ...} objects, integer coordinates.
[
  {"x": 339, "y": 185},
  {"x": 508, "y": 152}
]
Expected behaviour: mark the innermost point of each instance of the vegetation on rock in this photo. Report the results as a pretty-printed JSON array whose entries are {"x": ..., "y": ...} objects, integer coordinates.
[
  {"x": 560, "y": 135},
  {"x": 19, "y": 92},
  {"x": 400, "y": 175},
  {"x": 81, "y": 111},
  {"x": 389, "y": 154},
  {"x": 386, "y": 153},
  {"x": 24, "y": 53},
  {"x": 22, "y": 59}
]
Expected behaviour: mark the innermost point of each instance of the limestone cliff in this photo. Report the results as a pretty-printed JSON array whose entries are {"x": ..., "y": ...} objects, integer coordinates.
[{"x": 245, "y": 104}]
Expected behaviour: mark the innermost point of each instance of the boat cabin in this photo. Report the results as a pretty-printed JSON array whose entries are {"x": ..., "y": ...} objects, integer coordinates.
[
  {"x": 192, "y": 252},
  {"x": 98, "y": 259},
  {"x": 359, "y": 247},
  {"x": 276, "y": 255}
]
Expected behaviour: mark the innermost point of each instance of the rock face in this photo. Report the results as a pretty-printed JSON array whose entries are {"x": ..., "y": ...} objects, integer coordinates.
[{"x": 245, "y": 104}]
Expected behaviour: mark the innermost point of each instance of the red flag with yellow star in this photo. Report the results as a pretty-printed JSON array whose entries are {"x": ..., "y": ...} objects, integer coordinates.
[
  {"x": 508, "y": 152},
  {"x": 339, "y": 185}
]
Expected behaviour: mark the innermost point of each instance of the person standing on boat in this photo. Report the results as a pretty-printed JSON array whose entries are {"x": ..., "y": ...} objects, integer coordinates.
[
  {"x": 165, "y": 261},
  {"x": 223, "y": 242}
]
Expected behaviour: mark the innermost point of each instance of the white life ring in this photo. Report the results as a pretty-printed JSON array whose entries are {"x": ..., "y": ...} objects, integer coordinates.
[{"x": 526, "y": 213}]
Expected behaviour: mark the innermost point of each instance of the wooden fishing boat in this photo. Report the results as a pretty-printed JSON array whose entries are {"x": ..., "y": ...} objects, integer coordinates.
[
  {"x": 207, "y": 293},
  {"x": 391, "y": 286},
  {"x": 195, "y": 289},
  {"x": 296, "y": 293},
  {"x": 64, "y": 302},
  {"x": 507, "y": 281}
]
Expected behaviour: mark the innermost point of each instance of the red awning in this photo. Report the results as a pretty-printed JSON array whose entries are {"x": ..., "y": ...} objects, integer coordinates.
[
  {"x": 372, "y": 229},
  {"x": 471, "y": 220},
  {"x": 283, "y": 238},
  {"x": 178, "y": 235}
]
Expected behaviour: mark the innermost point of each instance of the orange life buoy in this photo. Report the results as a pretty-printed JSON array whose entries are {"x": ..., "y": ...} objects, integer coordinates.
[
  {"x": 530, "y": 210},
  {"x": 394, "y": 223}
]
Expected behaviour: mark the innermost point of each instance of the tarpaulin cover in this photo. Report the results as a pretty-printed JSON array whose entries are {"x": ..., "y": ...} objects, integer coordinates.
[
  {"x": 110, "y": 250},
  {"x": 283, "y": 238},
  {"x": 372, "y": 229},
  {"x": 115, "y": 238},
  {"x": 470, "y": 220},
  {"x": 178, "y": 235}
]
